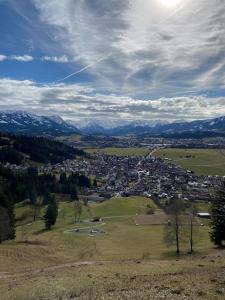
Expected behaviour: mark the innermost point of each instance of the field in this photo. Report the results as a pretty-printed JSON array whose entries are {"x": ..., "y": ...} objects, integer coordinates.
[
  {"x": 201, "y": 161},
  {"x": 128, "y": 262},
  {"x": 142, "y": 151}
]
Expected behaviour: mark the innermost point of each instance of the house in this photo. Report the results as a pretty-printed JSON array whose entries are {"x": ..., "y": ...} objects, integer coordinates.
[{"x": 204, "y": 215}]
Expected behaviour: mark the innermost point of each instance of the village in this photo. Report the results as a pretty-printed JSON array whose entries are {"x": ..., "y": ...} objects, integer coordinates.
[{"x": 123, "y": 176}]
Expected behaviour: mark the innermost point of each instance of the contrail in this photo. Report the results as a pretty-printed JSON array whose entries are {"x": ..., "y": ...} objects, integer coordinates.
[{"x": 81, "y": 70}]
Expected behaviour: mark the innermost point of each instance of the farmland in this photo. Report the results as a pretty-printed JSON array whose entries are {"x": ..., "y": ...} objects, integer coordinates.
[
  {"x": 200, "y": 161},
  {"x": 79, "y": 264}
]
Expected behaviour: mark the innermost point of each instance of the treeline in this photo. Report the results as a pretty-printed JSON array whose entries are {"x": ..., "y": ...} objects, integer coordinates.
[
  {"x": 32, "y": 187},
  {"x": 7, "y": 220},
  {"x": 22, "y": 186},
  {"x": 10, "y": 155},
  {"x": 14, "y": 149}
]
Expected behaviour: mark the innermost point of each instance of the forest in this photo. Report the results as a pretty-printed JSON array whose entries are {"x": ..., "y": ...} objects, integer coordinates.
[{"x": 15, "y": 149}]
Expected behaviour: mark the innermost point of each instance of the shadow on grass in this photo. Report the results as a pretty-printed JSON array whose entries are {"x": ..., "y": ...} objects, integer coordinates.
[
  {"x": 221, "y": 247},
  {"x": 36, "y": 243},
  {"x": 40, "y": 231},
  {"x": 183, "y": 254}
]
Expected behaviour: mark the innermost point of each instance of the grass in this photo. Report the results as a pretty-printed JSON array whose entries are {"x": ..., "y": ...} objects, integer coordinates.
[
  {"x": 203, "y": 207},
  {"x": 122, "y": 237},
  {"x": 200, "y": 161},
  {"x": 142, "y": 151},
  {"x": 122, "y": 206},
  {"x": 49, "y": 265},
  {"x": 199, "y": 277}
]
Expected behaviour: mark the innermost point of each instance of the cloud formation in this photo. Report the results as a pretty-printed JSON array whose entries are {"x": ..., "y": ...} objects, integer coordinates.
[
  {"x": 78, "y": 102},
  {"x": 154, "y": 50},
  {"x": 20, "y": 58},
  {"x": 138, "y": 59},
  {"x": 57, "y": 59},
  {"x": 29, "y": 58}
]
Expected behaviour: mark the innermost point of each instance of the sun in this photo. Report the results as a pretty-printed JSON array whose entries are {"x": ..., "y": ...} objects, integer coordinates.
[{"x": 170, "y": 3}]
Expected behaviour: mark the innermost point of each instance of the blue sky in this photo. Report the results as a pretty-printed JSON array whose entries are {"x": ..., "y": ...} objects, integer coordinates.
[{"x": 113, "y": 61}]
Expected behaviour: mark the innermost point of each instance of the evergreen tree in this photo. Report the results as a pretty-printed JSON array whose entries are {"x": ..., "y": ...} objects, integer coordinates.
[
  {"x": 95, "y": 183},
  {"x": 73, "y": 193},
  {"x": 217, "y": 233},
  {"x": 7, "y": 220},
  {"x": 51, "y": 214},
  {"x": 47, "y": 198}
]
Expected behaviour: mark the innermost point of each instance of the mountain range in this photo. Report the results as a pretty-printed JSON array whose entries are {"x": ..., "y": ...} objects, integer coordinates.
[{"x": 28, "y": 123}]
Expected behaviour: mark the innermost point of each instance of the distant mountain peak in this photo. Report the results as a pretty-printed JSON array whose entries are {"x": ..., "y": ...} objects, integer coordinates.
[{"x": 29, "y": 123}]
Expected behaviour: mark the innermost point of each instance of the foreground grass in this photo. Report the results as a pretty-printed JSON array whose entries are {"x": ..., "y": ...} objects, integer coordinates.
[
  {"x": 129, "y": 262},
  {"x": 194, "y": 277},
  {"x": 201, "y": 161}
]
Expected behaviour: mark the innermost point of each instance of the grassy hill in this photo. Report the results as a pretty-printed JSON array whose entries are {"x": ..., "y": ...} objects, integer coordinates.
[{"x": 129, "y": 261}]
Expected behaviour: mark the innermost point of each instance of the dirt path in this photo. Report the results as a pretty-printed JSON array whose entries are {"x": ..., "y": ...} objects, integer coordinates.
[{"x": 29, "y": 274}]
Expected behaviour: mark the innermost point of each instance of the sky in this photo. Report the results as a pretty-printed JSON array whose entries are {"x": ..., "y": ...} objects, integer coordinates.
[{"x": 113, "y": 61}]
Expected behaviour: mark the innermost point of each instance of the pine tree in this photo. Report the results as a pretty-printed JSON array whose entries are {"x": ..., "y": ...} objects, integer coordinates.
[
  {"x": 217, "y": 233},
  {"x": 51, "y": 214},
  {"x": 7, "y": 220},
  {"x": 73, "y": 193}
]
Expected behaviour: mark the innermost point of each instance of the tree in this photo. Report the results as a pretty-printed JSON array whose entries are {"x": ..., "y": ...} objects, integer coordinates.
[
  {"x": 173, "y": 228},
  {"x": 192, "y": 214},
  {"x": 217, "y": 233},
  {"x": 51, "y": 214},
  {"x": 33, "y": 203},
  {"x": 7, "y": 218},
  {"x": 47, "y": 198},
  {"x": 95, "y": 183},
  {"x": 73, "y": 193},
  {"x": 77, "y": 210}
]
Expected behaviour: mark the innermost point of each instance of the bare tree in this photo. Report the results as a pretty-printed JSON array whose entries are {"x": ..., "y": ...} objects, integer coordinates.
[
  {"x": 192, "y": 214},
  {"x": 173, "y": 233},
  {"x": 77, "y": 210}
]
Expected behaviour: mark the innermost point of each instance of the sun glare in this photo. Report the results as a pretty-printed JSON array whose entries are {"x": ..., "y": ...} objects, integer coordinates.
[{"x": 170, "y": 3}]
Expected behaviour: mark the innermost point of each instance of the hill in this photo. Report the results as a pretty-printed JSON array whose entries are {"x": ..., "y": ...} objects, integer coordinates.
[
  {"x": 15, "y": 149},
  {"x": 129, "y": 261}
]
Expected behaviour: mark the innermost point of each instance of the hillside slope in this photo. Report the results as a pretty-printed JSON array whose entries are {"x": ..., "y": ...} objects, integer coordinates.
[{"x": 15, "y": 149}]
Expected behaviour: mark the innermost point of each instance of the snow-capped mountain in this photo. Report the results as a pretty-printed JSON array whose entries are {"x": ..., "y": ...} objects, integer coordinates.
[
  {"x": 28, "y": 123},
  {"x": 214, "y": 126}
]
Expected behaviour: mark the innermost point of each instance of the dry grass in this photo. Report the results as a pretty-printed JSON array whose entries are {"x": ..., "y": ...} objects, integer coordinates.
[
  {"x": 130, "y": 262},
  {"x": 200, "y": 277}
]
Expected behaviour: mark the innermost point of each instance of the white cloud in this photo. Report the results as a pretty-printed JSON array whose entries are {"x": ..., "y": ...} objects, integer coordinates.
[
  {"x": 56, "y": 59},
  {"x": 2, "y": 57},
  {"x": 21, "y": 58},
  {"x": 75, "y": 102},
  {"x": 153, "y": 50}
]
